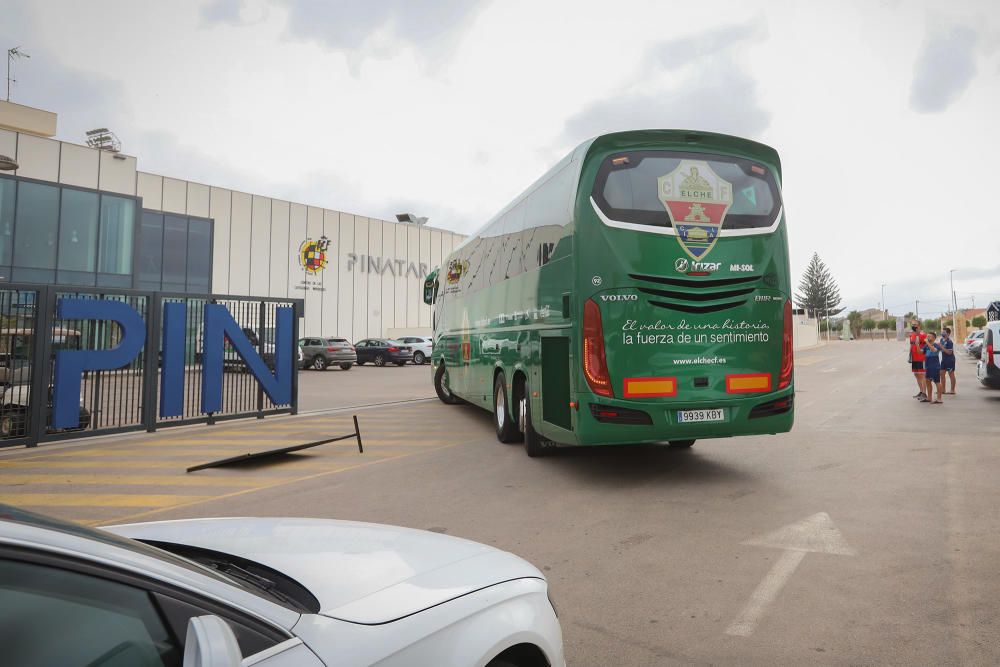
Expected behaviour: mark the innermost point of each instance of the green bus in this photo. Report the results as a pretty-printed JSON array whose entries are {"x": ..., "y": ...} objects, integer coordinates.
[{"x": 638, "y": 292}]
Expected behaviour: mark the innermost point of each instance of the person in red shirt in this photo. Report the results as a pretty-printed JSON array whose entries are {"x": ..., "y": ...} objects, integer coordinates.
[{"x": 917, "y": 341}]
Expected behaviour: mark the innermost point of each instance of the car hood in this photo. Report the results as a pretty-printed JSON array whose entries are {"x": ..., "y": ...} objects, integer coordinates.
[{"x": 360, "y": 572}]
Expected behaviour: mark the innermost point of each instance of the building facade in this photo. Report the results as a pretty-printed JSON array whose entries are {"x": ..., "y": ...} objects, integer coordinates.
[{"x": 75, "y": 215}]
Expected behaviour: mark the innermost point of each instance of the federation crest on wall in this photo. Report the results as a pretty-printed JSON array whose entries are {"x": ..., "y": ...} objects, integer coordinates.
[
  {"x": 696, "y": 199},
  {"x": 313, "y": 254}
]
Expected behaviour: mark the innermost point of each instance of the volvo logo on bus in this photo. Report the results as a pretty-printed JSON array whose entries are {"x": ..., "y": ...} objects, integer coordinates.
[
  {"x": 619, "y": 297},
  {"x": 682, "y": 265}
]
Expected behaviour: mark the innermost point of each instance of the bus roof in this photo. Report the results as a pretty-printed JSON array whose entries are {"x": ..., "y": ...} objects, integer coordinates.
[
  {"x": 696, "y": 139},
  {"x": 638, "y": 139}
]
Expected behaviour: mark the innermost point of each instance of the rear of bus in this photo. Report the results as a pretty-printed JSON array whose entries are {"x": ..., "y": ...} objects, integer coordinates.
[{"x": 683, "y": 290}]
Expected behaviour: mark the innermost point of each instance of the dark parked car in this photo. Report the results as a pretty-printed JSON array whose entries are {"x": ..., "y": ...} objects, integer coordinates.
[
  {"x": 380, "y": 351},
  {"x": 318, "y": 353}
]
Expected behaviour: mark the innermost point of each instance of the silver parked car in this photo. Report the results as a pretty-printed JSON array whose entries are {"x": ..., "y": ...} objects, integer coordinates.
[
  {"x": 318, "y": 353},
  {"x": 422, "y": 346}
]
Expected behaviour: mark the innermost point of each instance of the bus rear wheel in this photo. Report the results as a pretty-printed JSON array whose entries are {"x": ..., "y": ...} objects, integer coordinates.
[
  {"x": 534, "y": 444},
  {"x": 680, "y": 444},
  {"x": 441, "y": 386},
  {"x": 507, "y": 430}
]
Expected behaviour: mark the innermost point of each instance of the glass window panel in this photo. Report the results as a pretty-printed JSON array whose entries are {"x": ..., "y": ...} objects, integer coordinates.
[
  {"x": 8, "y": 188},
  {"x": 117, "y": 229},
  {"x": 36, "y": 226},
  {"x": 149, "y": 264},
  {"x": 78, "y": 231},
  {"x": 199, "y": 254},
  {"x": 174, "y": 252}
]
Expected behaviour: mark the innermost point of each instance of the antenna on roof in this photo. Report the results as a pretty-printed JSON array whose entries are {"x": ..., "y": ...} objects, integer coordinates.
[{"x": 13, "y": 54}]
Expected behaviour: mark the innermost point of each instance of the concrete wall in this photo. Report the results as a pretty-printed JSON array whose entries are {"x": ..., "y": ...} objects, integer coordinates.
[
  {"x": 805, "y": 332},
  {"x": 373, "y": 281}
]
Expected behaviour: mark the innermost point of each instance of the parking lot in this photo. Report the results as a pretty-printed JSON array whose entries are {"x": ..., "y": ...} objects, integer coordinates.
[{"x": 867, "y": 535}]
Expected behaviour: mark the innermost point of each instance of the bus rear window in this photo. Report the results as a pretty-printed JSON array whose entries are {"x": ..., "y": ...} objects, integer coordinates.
[{"x": 665, "y": 189}]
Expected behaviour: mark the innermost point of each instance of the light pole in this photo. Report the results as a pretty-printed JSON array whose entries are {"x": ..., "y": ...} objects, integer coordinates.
[
  {"x": 827, "y": 312},
  {"x": 885, "y": 312},
  {"x": 954, "y": 302}
]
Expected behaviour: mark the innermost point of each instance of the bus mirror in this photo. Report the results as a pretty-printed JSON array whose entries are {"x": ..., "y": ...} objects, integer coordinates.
[{"x": 430, "y": 288}]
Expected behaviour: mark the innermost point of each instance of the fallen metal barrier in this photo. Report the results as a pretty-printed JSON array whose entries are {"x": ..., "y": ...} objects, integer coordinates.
[{"x": 250, "y": 456}]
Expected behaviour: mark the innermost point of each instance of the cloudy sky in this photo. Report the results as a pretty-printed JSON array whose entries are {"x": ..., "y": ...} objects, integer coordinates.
[{"x": 883, "y": 112}]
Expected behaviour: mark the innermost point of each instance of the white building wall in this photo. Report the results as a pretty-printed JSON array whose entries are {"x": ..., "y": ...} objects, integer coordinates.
[
  {"x": 256, "y": 240},
  {"x": 220, "y": 210},
  {"x": 8, "y": 143},
  {"x": 329, "y": 277},
  {"x": 260, "y": 246},
  {"x": 345, "y": 290},
  {"x": 239, "y": 244},
  {"x": 278, "y": 277},
  {"x": 37, "y": 158},
  {"x": 79, "y": 166}
]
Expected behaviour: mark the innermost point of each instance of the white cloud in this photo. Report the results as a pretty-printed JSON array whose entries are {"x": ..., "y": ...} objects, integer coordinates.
[{"x": 946, "y": 66}]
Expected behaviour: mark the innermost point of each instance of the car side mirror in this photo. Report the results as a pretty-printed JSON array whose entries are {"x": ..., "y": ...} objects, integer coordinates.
[{"x": 210, "y": 642}]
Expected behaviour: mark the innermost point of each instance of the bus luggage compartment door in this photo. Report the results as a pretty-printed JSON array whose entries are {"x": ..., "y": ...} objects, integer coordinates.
[{"x": 555, "y": 381}]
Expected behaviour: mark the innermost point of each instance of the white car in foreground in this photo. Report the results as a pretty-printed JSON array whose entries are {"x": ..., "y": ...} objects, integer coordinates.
[{"x": 269, "y": 592}]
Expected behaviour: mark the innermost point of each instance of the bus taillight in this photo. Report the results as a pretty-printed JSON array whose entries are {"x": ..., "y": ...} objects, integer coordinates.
[
  {"x": 595, "y": 363},
  {"x": 787, "y": 358}
]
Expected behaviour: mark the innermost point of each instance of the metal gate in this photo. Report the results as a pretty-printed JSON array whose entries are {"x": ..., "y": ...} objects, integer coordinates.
[{"x": 125, "y": 398}]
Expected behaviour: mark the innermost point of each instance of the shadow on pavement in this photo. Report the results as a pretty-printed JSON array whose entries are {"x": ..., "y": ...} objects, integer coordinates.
[{"x": 636, "y": 465}]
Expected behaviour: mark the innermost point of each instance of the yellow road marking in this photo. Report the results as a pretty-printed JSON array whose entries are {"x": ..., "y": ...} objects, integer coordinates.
[
  {"x": 140, "y": 515},
  {"x": 74, "y": 478},
  {"x": 96, "y": 500}
]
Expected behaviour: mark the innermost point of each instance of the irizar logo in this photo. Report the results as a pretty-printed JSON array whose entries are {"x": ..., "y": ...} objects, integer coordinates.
[
  {"x": 619, "y": 297},
  {"x": 682, "y": 265}
]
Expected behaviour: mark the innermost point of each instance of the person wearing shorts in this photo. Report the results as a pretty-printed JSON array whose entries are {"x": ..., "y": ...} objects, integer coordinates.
[
  {"x": 917, "y": 341},
  {"x": 947, "y": 360},
  {"x": 932, "y": 369}
]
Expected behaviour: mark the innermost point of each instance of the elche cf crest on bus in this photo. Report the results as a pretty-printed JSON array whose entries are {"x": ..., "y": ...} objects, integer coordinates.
[{"x": 696, "y": 199}]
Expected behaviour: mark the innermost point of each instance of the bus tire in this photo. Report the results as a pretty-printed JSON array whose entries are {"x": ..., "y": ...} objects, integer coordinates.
[
  {"x": 507, "y": 430},
  {"x": 534, "y": 444},
  {"x": 441, "y": 386},
  {"x": 680, "y": 444}
]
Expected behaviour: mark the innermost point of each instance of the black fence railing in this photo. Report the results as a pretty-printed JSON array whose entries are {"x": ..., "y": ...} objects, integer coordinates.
[{"x": 126, "y": 398}]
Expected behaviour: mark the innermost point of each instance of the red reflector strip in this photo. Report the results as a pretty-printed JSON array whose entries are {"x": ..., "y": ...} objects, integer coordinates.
[
  {"x": 649, "y": 387},
  {"x": 748, "y": 383}
]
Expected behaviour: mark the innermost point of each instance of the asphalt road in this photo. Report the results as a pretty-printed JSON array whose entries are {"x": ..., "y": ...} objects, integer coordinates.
[{"x": 868, "y": 535}]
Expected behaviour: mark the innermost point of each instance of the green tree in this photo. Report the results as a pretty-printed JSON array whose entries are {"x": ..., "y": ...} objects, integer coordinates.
[
  {"x": 979, "y": 321},
  {"x": 818, "y": 292},
  {"x": 886, "y": 326},
  {"x": 854, "y": 322},
  {"x": 869, "y": 325},
  {"x": 931, "y": 325}
]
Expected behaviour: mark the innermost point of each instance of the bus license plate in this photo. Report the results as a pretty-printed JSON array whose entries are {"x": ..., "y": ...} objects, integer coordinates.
[{"x": 690, "y": 416}]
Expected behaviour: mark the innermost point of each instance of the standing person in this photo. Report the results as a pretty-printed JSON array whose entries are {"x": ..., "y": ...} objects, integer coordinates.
[
  {"x": 932, "y": 369},
  {"x": 917, "y": 341},
  {"x": 947, "y": 361}
]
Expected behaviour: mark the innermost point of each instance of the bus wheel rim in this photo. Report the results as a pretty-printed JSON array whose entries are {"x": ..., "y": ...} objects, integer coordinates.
[{"x": 501, "y": 407}]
